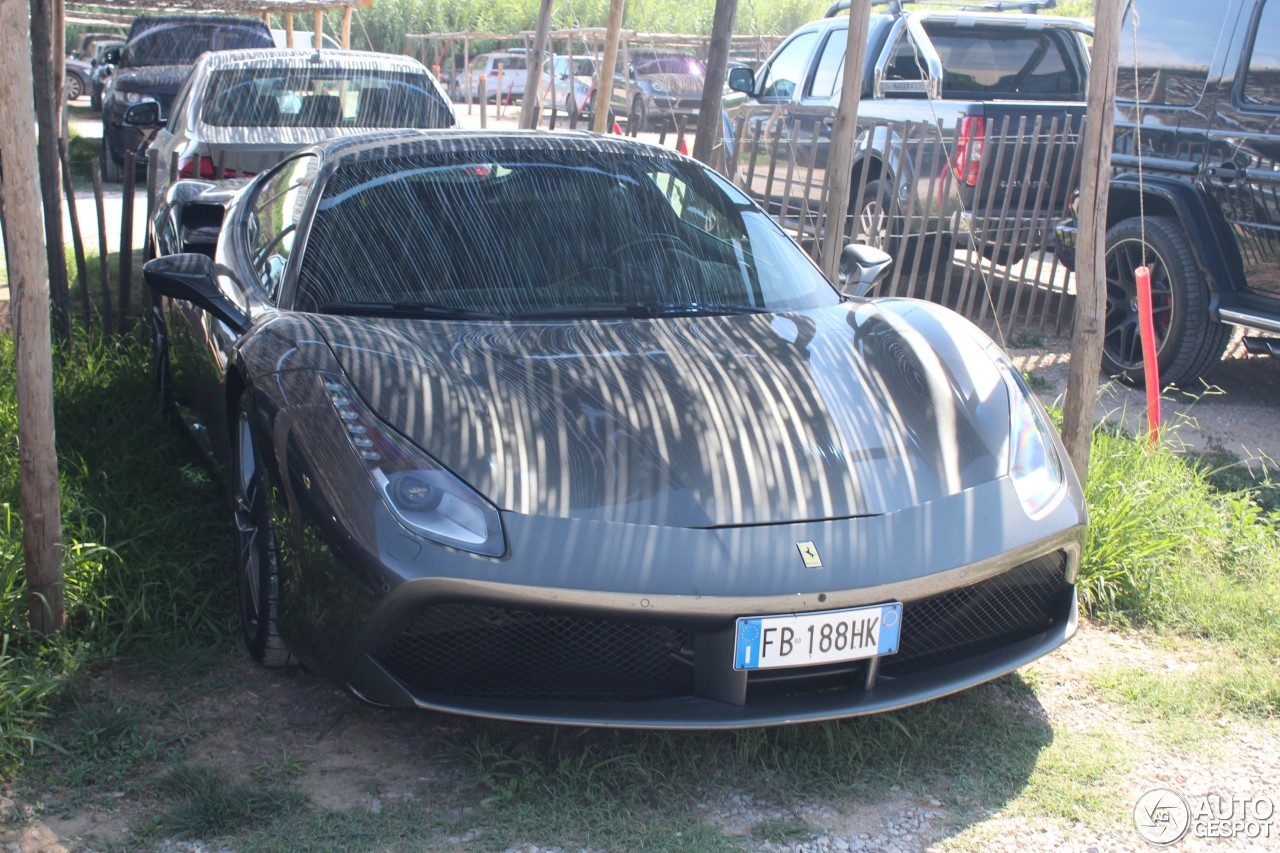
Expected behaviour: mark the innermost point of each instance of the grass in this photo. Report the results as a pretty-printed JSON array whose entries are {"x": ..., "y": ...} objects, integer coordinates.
[{"x": 1184, "y": 549}]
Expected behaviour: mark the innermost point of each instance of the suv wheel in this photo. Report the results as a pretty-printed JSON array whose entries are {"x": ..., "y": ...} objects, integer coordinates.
[
  {"x": 1188, "y": 341},
  {"x": 638, "y": 118}
]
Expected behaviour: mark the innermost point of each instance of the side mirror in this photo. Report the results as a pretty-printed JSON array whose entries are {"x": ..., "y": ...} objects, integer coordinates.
[
  {"x": 111, "y": 56},
  {"x": 144, "y": 116},
  {"x": 861, "y": 268},
  {"x": 742, "y": 80},
  {"x": 190, "y": 279}
]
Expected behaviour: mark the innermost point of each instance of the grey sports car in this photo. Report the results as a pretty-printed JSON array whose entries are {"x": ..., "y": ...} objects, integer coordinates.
[{"x": 563, "y": 428}]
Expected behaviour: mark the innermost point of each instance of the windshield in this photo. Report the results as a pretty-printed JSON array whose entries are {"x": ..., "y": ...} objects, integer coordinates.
[
  {"x": 322, "y": 97},
  {"x": 547, "y": 234},
  {"x": 181, "y": 44},
  {"x": 675, "y": 64}
]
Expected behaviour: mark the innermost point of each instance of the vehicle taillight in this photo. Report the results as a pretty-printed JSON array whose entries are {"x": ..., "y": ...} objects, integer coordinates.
[
  {"x": 208, "y": 170},
  {"x": 968, "y": 153}
]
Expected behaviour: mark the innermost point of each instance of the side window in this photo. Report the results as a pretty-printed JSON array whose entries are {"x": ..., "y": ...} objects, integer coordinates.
[
  {"x": 1175, "y": 46},
  {"x": 786, "y": 72},
  {"x": 276, "y": 211},
  {"x": 180, "y": 104},
  {"x": 1262, "y": 79},
  {"x": 827, "y": 77},
  {"x": 905, "y": 64}
]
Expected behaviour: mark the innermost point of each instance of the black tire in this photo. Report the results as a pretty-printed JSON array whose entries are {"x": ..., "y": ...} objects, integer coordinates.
[
  {"x": 95, "y": 100},
  {"x": 638, "y": 117},
  {"x": 73, "y": 87},
  {"x": 1188, "y": 341},
  {"x": 257, "y": 575},
  {"x": 112, "y": 169},
  {"x": 160, "y": 364}
]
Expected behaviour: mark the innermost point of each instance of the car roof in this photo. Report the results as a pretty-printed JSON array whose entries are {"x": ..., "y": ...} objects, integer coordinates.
[
  {"x": 275, "y": 57},
  {"x": 397, "y": 144}
]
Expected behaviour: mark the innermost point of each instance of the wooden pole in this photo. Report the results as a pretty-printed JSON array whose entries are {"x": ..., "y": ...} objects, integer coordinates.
[
  {"x": 104, "y": 267},
  {"x": 126, "y": 239},
  {"x": 288, "y": 29},
  {"x": 77, "y": 242},
  {"x": 604, "y": 90},
  {"x": 531, "y": 101},
  {"x": 1091, "y": 291},
  {"x": 704, "y": 140},
  {"x": 844, "y": 135},
  {"x": 29, "y": 289},
  {"x": 317, "y": 30},
  {"x": 346, "y": 28},
  {"x": 48, "y": 97}
]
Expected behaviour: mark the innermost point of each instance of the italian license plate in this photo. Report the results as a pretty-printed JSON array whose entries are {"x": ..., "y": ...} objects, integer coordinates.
[{"x": 805, "y": 639}]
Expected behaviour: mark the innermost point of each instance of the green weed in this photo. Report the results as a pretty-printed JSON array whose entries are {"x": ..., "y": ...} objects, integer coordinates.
[{"x": 208, "y": 805}]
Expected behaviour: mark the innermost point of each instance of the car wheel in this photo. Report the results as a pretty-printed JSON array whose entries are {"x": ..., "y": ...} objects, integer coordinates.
[
  {"x": 1188, "y": 341},
  {"x": 73, "y": 87},
  {"x": 112, "y": 169},
  {"x": 638, "y": 118},
  {"x": 95, "y": 101},
  {"x": 871, "y": 222},
  {"x": 257, "y": 576}
]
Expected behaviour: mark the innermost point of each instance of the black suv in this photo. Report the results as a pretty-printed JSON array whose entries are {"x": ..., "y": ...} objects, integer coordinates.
[
  {"x": 1197, "y": 156},
  {"x": 152, "y": 66}
]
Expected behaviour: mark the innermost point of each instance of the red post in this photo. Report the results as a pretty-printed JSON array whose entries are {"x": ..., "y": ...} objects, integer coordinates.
[{"x": 1150, "y": 369}]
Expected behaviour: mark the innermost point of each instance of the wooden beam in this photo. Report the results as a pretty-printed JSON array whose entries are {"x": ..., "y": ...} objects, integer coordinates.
[
  {"x": 49, "y": 99},
  {"x": 604, "y": 89},
  {"x": 317, "y": 29},
  {"x": 843, "y": 135},
  {"x": 1091, "y": 291},
  {"x": 531, "y": 103},
  {"x": 288, "y": 29},
  {"x": 346, "y": 28},
  {"x": 704, "y": 139},
  {"x": 29, "y": 287}
]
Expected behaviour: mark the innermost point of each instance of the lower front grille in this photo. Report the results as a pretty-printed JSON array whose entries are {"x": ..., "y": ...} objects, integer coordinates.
[
  {"x": 963, "y": 622},
  {"x": 487, "y": 652},
  {"x": 482, "y": 651}
]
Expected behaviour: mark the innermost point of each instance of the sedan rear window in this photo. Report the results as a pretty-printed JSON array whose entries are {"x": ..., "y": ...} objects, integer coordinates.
[
  {"x": 182, "y": 44},
  {"x": 325, "y": 97},
  {"x": 543, "y": 234}
]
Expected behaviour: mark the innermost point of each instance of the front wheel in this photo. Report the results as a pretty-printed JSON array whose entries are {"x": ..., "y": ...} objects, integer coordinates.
[
  {"x": 638, "y": 118},
  {"x": 73, "y": 86},
  {"x": 112, "y": 169},
  {"x": 1188, "y": 340},
  {"x": 257, "y": 575}
]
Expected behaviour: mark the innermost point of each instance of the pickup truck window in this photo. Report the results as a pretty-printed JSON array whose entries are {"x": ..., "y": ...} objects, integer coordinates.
[
  {"x": 1171, "y": 68},
  {"x": 996, "y": 63},
  {"x": 827, "y": 76},
  {"x": 786, "y": 73},
  {"x": 1262, "y": 79}
]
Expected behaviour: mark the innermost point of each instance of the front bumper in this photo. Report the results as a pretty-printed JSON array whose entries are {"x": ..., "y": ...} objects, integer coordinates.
[{"x": 616, "y": 650}]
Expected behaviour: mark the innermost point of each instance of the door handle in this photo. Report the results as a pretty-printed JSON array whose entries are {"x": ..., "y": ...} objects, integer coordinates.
[{"x": 1225, "y": 172}]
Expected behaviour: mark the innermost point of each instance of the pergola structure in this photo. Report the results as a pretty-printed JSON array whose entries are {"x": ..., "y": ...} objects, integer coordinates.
[{"x": 120, "y": 12}]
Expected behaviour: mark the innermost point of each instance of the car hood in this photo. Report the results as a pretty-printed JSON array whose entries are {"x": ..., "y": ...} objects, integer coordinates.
[
  {"x": 673, "y": 84},
  {"x": 152, "y": 79},
  {"x": 692, "y": 422}
]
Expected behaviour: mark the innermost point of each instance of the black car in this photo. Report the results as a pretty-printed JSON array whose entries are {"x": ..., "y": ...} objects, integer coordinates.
[
  {"x": 659, "y": 474},
  {"x": 1196, "y": 189},
  {"x": 152, "y": 66}
]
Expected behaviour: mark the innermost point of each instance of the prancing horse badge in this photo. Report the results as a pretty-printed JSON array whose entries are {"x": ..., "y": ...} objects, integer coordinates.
[{"x": 809, "y": 553}]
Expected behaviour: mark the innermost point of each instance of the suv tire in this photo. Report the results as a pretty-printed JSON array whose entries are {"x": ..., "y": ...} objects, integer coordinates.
[
  {"x": 638, "y": 118},
  {"x": 1188, "y": 340}
]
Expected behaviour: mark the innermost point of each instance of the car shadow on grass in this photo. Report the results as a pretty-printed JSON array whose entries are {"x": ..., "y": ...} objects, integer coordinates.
[{"x": 336, "y": 774}]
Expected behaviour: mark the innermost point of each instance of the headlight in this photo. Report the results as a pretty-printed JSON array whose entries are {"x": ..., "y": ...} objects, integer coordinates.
[
  {"x": 659, "y": 89},
  {"x": 1034, "y": 466},
  {"x": 127, "y": 97},
  {"x": 425, "y": 496}
]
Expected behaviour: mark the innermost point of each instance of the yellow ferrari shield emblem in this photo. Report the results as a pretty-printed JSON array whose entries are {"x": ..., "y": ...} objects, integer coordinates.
[{"x": 809, "y": 553}]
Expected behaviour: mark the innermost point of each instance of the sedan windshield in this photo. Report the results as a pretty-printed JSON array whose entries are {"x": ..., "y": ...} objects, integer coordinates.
[
  {"x": 181, "y": 44},
  {"x": 322, "y": 97},
  {"x": 547, "y": 234}
]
